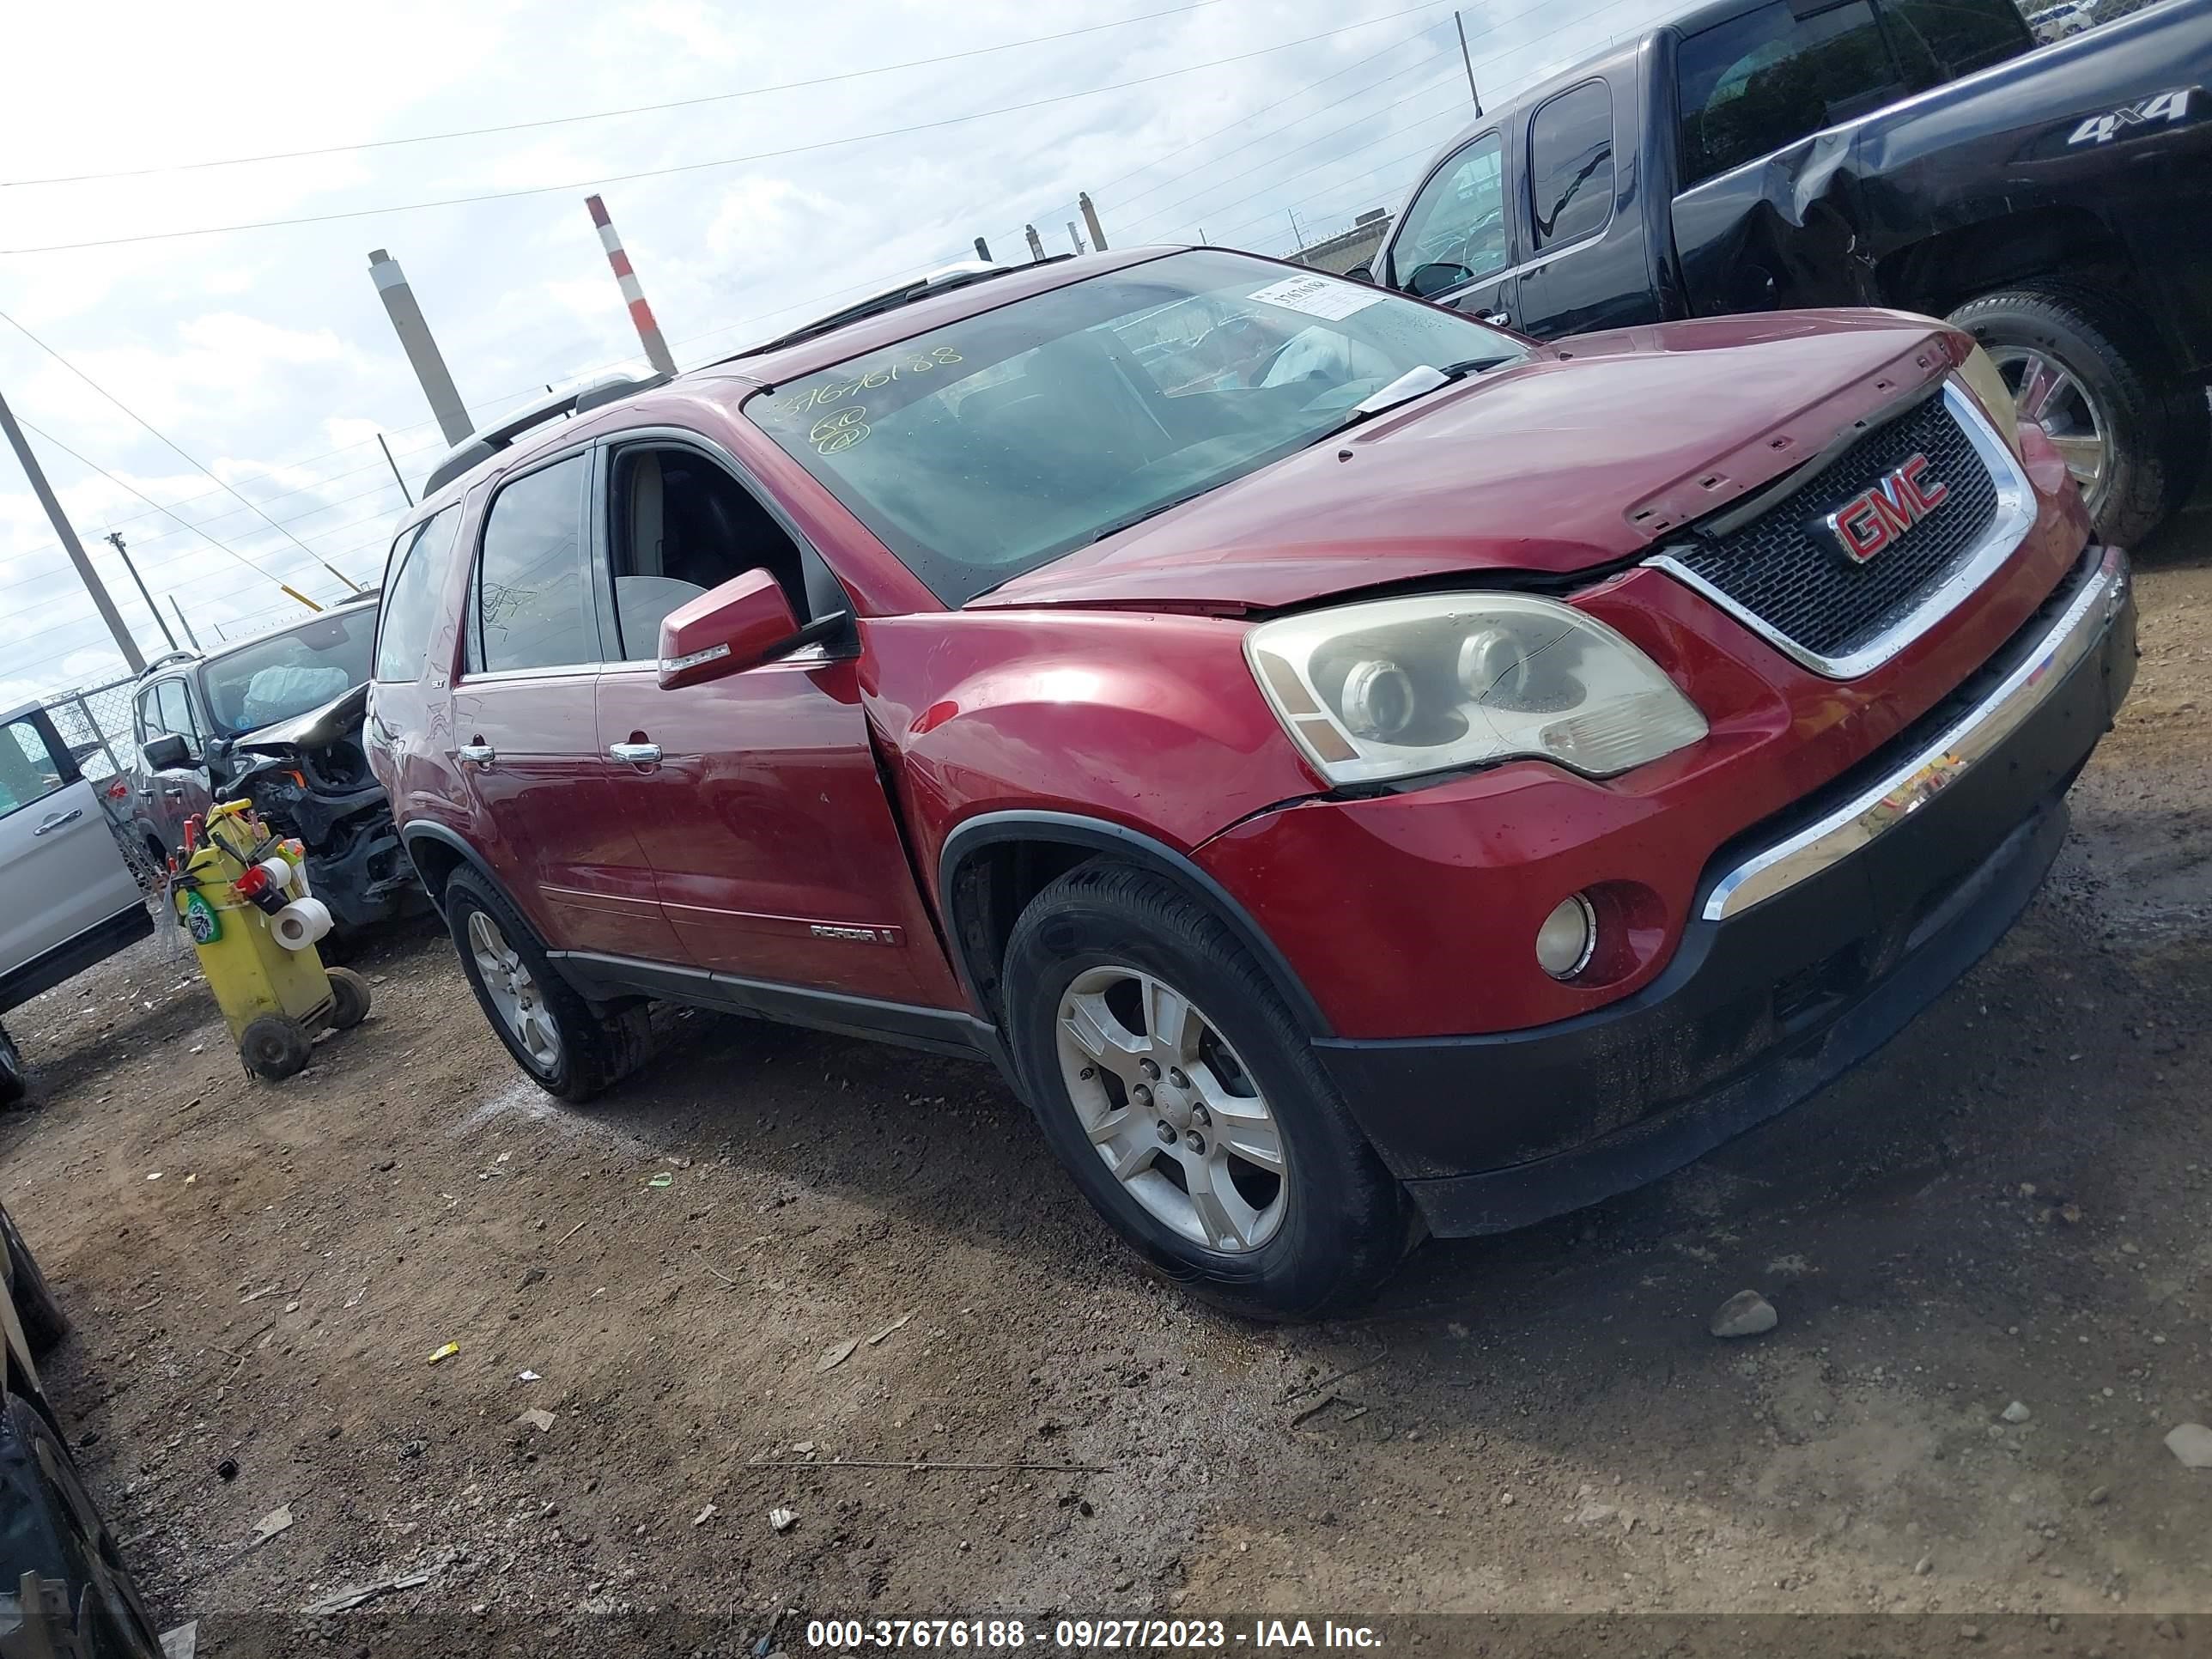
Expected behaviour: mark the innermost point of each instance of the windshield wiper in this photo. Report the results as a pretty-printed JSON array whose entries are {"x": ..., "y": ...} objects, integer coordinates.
[
  {"x": 1153, "y": 512},
  {"x": 1416, "y": 382}
]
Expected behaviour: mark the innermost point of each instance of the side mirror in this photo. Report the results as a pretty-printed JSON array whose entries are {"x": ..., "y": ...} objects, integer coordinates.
[
  {"x": 731, "y": 628},
  {"x": 168, "y": 754},
  {"x": 1361, "y": 273}
]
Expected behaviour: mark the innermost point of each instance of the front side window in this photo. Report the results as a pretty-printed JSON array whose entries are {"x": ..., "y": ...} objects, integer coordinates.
[
  {"x": 1571, "y": 165},
  {"x": 1455, "y": 231},
  {"x": 530, "y": 603},
  {"x": 282, "y": 675},
  {"x": 994, "y": 445},
  {"x": 29, "y": 772},
  {"x": 173, "y": 711},
  {"x": 410, "y": 596},
  {"x": 1761, "y": 82},
  {"x": 1943, "y": 40},
  {"x": 681, "y": 527}
]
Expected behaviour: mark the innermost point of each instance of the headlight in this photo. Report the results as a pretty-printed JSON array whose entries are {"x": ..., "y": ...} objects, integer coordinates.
[
  {"x": 1987, "y": 382},
  {"x": 1399, "y": 687}
]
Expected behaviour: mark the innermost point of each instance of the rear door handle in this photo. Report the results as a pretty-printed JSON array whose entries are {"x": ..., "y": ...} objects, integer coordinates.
[
  {"x": 637, "y": 754},
  {"x": 480, "y": 752},
  {"x": 57, "y": 821}
]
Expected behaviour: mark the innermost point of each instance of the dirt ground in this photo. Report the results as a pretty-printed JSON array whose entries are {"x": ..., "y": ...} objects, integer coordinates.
[{"x": 2012, "y": 1203}]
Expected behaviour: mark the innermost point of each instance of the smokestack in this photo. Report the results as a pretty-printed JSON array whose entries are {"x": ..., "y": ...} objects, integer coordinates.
[
  {"x": 415, "y": 338},
  {"x": 656, "y": 349}
]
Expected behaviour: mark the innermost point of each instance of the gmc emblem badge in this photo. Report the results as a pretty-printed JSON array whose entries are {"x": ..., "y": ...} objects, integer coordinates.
[{"x": 1874, "y": 519}]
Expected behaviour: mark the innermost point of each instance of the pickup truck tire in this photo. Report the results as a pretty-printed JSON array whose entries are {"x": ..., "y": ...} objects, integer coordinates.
[
  {"x": 15, "y": 1081},
  {"x": 1118, "y": 985},
  {"x": 571, "y": 1051},
  {"x": 2154, "y": 447},
  {"x": 45, "y": 1324}
]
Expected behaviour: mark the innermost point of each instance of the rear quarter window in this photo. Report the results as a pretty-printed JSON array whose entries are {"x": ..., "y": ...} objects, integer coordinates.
[{"x": 412, "y": 588}]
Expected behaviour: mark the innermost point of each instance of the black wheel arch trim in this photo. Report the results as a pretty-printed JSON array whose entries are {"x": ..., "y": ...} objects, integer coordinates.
[
  {"x": 414, "y": 834},
  {"x": 972, "y": 836}
]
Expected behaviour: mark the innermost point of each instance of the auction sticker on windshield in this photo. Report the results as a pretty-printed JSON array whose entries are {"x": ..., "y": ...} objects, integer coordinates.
[{"x": 1325, "y": 297}]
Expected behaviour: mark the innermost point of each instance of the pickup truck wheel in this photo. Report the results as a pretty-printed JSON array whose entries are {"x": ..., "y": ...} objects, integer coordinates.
[
  {"x": 1182, "y": 1096},
  {"x": 571, "y": 1053},
  {"x": 2089, "y": 373},
  {"x": 15, "y": 1081}
]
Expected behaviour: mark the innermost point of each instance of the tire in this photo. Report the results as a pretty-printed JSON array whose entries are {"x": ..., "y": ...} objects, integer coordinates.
[
  {"x": 1321, "y": 1234},
  {"x": 15, "y": 1079},
  {"x": 275, "y": 1047},
  {"x": 45, "y": 1324},
  {"x": 56, "y": 1529},
  {"x": 349, "y": 999},
  {"x": 588, "y": 1052},
  {"x": 2154, "y": 444}
]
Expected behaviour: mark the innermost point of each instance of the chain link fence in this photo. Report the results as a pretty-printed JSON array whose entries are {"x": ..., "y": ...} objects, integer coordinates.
[{"x": 95, "y": 725}]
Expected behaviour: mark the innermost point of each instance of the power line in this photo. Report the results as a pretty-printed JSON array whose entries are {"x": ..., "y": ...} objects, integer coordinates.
[
  {"x": 150, "y": 426},
  {"x": 722, "y": 162},
  {"x": 608, "y": 114}
]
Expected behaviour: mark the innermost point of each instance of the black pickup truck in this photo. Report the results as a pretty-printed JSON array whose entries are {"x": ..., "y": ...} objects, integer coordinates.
[{"x": 1925, "y": 155}]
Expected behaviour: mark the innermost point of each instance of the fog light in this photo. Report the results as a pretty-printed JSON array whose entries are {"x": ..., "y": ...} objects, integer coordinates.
[{"x": 1568, "y": 936}]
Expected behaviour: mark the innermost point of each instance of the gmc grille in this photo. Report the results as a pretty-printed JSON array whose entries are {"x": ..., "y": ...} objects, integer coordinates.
[{"x": 1776, "y": 570}]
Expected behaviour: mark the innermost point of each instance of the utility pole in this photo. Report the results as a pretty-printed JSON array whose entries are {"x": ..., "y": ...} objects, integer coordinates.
[
  {"x": 633, "y": 292},
  {"x": 1296, "y": 235},
  {"x": 115, "y": 541},
  {"x": 183, "y": 622},
  {"x": 67, "y": 533},
  {"x": 1461, "y": 23},
  {"x": 1090, "y": 218},
  {"x": 422, "y": 348},
  {"x": 394, "y": 465},
  {"x": 983, "y": 250},
  {"x": 1036, "y": 243}
]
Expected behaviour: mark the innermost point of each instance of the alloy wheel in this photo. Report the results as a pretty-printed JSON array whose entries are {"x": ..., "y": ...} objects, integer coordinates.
[
  {"x": 1171, "y": 1110},
  {"x": 514, "y": 992},
  {"x": 2047, "y": 392}
]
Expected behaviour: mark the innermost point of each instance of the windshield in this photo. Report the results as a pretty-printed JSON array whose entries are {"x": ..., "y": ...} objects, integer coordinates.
[
  {"x": 289, "y": 673},
  {"x": 994, "y": 445}
]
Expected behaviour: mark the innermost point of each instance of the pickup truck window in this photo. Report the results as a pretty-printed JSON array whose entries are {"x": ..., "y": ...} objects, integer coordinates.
[
  {"x": 1571, "y": 164},
  {"x": 1942, "y": 39},
  {"x": 29, "y": 771},
  {"x": 529, "y": 596},
  {"x": 1455, "y": 231},
  {"x": 1760, "y": 82},
  {"x": 985, "y": 448}
]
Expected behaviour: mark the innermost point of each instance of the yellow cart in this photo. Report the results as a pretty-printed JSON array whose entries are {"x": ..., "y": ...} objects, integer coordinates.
[{"x": 274, "y": 998}]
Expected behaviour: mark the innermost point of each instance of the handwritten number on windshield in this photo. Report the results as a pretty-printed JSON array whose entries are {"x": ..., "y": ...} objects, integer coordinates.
[
  {"x": 839, "y": 431},
  {"x": 868, "y": 379}
]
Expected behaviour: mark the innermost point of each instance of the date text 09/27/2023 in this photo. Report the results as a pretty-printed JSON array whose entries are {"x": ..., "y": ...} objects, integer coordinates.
[{"x": 1088, "y": 1635}]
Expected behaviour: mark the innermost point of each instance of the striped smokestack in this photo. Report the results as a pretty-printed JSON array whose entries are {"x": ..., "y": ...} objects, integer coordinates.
[{"x": 656, "y": 349}]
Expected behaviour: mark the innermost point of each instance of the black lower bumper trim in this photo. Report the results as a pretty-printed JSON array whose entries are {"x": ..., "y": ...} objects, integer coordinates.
[{"x": 1752, "y": 1014}]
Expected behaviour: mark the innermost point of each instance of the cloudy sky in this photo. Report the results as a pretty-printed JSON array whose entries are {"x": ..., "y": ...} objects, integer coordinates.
[{"x": 261, "y": 350}]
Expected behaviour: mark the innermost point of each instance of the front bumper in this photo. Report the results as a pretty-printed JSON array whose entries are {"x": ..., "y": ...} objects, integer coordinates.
[{"x": 1816, "y": 940}]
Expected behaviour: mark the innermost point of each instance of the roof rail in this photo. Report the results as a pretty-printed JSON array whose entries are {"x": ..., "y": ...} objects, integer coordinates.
[
  {"x": 482, "y": 445},
  {"x": 168, "y": 656},
  {"x": 943, "y": 280}
]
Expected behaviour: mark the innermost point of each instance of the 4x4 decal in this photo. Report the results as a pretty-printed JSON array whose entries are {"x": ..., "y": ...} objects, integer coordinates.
[{"x": 2169, "y": 108}]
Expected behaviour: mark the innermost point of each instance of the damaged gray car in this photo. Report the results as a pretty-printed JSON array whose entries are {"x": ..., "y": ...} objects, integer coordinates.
[{"x": 277, "y": 720}]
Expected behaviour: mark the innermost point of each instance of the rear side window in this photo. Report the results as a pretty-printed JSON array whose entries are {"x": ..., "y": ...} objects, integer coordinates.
[
  {"x": 1571, "y": 164},
  {"x": 1763, "y": 80},
  {"x": 1455, "y": 231},
  {"x": 29, "y": 768},
  {"x": 410, "y": 597},
  {"x": 1943, "y": 40},
  {"x": 528, "y": 608}
]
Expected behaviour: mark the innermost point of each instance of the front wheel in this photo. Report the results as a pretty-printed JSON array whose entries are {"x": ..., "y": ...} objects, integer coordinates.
[
  {"x": 14, "y": 1080},
  {"x": 1170, "y": 1079},
  {"x": 45, "y": 1324},
  {"x": 2092, "y": 374}
]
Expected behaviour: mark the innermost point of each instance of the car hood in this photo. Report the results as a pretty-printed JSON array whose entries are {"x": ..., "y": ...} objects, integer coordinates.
[
  {"x": 318, "y": 728},
  {"x": 1578, "y": 460}
]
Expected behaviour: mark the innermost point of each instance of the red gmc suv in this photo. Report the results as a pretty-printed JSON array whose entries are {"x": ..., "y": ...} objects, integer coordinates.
[{"x": 1351, "y": 768}]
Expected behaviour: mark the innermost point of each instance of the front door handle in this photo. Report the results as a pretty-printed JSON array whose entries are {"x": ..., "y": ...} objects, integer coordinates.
[
  {"x": 1495, "y": 319},
  {"x": 482, "y": 753},
  {"x": 57, "y": 821},
  {"x": 637, "y": 754}
]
